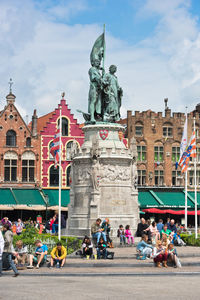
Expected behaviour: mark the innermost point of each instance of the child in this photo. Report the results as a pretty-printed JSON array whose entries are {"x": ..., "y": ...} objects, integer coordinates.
[
  {"x": 144, "y": 249},
  {"x": 101, "y": 249},
  {"x": 106, "y": 228},
  {"x": 87, "y": 247},
  {"x": 129, "y": 235},
  {"x": 177, "y": 240},
  {"x": 121, "y": 235},
  {"x": 172, "y": 256}
]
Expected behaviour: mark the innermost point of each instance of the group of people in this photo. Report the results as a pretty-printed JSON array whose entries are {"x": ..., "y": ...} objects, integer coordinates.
[
  {"x": 158, "y": 242},
  {"x": 17, "y": 258},
  {"x": 51, "y": 225}
]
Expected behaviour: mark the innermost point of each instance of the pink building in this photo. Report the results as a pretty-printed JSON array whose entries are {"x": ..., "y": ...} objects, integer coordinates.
[{"x": 71, "y": 133}]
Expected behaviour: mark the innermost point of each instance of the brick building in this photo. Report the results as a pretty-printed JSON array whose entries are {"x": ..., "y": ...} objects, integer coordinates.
[
  {"x": 158, "y": 137},
  {"x": 19, "y": 148},
  {"x": 28, "y": 179}
]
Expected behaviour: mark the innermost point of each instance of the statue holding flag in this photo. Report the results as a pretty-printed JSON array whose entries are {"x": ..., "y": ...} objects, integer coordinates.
[{"x": 105, "y": 95}]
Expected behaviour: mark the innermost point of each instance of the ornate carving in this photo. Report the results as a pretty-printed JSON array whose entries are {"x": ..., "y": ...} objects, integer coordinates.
[
  {"x": 95, "y": 151},
  {"x": 95, "y": 174},
  {"x": 111, "y": 173},
  {"x": 134, "y": 175},
  {"x": 74, "y": 149}
]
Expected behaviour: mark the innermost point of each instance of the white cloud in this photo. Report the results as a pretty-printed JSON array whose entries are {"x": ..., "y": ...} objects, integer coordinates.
[{"x": 45, "y": 58}]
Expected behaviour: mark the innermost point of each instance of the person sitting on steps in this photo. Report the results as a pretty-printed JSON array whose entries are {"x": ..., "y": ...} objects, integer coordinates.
[
  {"x": 101, "y": 249},
  {"x": 40, "y": 255},
  {"x": 58, "y": 256},
  {"x": 97, "y": 231},
  {"x": 87, "y": 247}
]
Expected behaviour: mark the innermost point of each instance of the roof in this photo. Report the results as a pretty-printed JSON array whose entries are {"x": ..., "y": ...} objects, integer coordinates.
[{"x": 41, "y": 121}]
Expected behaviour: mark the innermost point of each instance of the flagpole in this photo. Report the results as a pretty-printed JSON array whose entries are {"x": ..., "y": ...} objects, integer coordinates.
[
  {"x": 186, "y": 179},
  {"x": 195, "y": 187},
  {"x": 60, "y": 179},
  {"x": 104, "y": 26}
]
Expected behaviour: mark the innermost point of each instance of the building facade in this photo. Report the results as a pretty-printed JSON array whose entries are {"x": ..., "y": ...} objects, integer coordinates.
[
  {"x": 19, "y": 148},
  {"x": 72, "y": 139},
  {"x": 158, "y": 139}
]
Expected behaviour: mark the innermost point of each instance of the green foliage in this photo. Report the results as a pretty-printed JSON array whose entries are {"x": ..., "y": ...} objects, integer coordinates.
[
  {"x": 30, "y": 235},
  {"x": 190, "y": 240}
]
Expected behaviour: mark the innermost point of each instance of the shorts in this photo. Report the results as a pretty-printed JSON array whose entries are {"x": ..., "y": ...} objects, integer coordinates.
[{"x": 35, "y": 259}]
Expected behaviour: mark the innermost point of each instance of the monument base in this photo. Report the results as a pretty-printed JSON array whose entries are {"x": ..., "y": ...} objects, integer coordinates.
[{"x": 104, "y": 175}]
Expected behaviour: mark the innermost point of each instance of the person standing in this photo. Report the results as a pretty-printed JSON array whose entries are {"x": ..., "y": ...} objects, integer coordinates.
[
  {"x": 19, "y": 227},
  {"x": 8, "y": 246},
  {"x": 1, "y": 251}
]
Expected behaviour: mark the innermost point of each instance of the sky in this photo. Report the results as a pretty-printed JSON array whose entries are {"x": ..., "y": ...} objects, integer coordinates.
[{"x": 45, "y": 47}]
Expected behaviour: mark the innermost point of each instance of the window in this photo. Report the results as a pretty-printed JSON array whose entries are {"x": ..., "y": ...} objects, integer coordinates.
[
  {"x": 177, "y": 178},
  {"x": 191, "y": 177},
  {"x": 28, "y": 142},
  {"x": 175, "y": 154},
  {"x": 138, "y": 130},
  {"x": 159, "y": 177},
  {"x": 64, "y": 126},
  {"x": 11, "y": 138},
  {"x": 141, "y": 177},
  {"x": 50, "y": 155},
  {"x": 158, "y": 153},
  {"x": 10, "y": 169},
  {"x": 28, "y": 170},
  {"x": 141, "y": 151},
  {"x": 167, "y": 131},
  {"x": 68, "y": 176},
  {"x": 54, "y": 176}
]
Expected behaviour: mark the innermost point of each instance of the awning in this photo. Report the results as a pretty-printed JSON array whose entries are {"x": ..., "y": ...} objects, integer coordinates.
[
  {"x": 166, "y": 199},
  {"x": 7, "y": 201},
  {"x": 53, "y": 197},
  {"x": 30, "y": 199},
  {"x": 170, "y": 211}
]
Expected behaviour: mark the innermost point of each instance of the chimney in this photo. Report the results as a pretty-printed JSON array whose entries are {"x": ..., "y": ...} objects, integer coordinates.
[
  {"x": 34, "y": 124},
  {"x": 167, "y": 110}
]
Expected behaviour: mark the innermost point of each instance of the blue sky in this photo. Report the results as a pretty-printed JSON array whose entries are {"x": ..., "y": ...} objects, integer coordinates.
[{"x": 45, "y": 47}]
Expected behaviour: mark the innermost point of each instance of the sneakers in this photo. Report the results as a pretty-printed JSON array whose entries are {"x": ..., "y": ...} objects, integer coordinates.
[
  {"x": 29, "y": 267},
  {"x": 37, "y": 267}
]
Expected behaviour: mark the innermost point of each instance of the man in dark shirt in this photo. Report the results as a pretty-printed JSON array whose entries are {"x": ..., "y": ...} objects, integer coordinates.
[
  {"x": 171, "y": 226},
  {"x": 143, "y": 228}
]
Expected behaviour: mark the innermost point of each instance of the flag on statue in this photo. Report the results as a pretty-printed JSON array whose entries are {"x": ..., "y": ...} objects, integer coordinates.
[
  {"x": 189, "y": 152},
  {"x": 55, "y": 148}
]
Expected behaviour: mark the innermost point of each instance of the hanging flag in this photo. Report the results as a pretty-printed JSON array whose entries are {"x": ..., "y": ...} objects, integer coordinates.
[
  {"x": 183, "y": 141},
  {"x": 55, "y": 148},
  {"x": 190, "y": 152}
]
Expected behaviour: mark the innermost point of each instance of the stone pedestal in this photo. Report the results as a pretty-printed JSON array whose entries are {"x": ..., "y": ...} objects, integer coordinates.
[{"x": 104, "y": 176}]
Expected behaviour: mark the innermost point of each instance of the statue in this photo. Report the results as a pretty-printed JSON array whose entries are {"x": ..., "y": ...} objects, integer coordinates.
[
  {"x": 95, "y": 174},
  {"x": 113, "y": 95},
  {"x": 94, "y": 100},
  {"x": 104, "y": 100}
]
